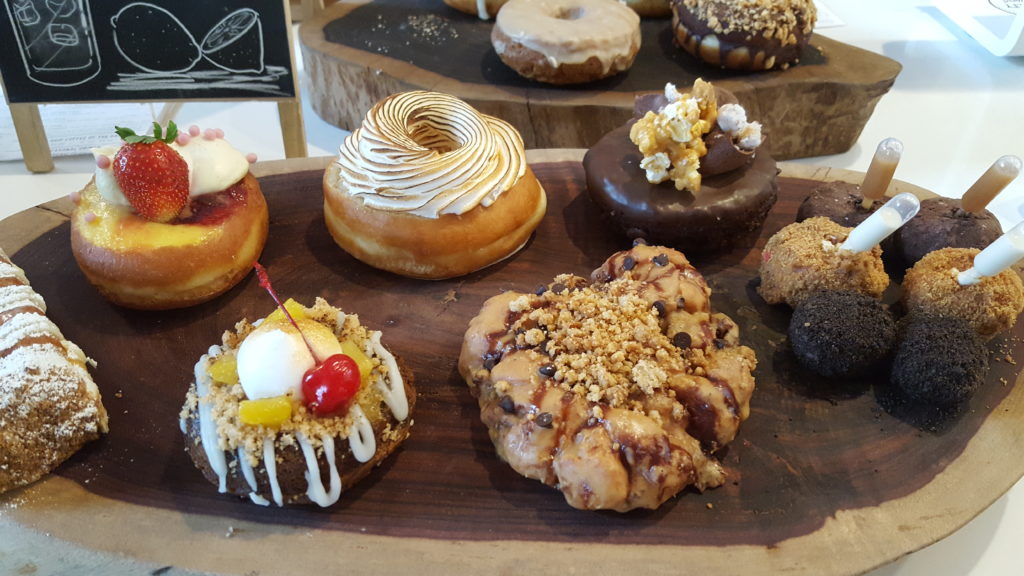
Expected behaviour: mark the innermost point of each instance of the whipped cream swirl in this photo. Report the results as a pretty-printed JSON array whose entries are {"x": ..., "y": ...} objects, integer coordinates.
[{"x": 430, "y": 154}]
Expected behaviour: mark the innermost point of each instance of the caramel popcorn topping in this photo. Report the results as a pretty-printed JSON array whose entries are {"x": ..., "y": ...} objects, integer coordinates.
[{"x": 672, "y": 139}]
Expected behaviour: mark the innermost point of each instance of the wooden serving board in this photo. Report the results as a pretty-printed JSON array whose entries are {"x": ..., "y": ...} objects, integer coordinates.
[
  {"x": 822, "y": 479},
  {"x": 358, "y": 52}
]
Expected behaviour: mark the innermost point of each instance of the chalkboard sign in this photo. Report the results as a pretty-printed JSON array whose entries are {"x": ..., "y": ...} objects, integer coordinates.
[{"x": 100, "y": 50}]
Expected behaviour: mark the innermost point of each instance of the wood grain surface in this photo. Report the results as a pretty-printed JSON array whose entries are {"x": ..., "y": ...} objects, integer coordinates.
[
  {"x": 824, "y": 478},
  {"x": 358, "y": 52}
]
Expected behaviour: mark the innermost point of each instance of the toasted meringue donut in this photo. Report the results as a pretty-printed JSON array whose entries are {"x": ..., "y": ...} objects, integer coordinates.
[{"x": 430, "y": 188}]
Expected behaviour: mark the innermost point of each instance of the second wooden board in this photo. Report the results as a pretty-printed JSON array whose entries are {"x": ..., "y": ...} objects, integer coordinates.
[{"x": 357, "y": 53}]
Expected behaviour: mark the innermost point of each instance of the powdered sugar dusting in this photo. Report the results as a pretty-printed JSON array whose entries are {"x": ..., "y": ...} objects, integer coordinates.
[{"x": 49, "y": 405}]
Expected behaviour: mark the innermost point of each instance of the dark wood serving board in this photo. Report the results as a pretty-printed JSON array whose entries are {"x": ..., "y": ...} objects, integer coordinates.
[
  {"x": 822, "y": 478},
  {"x": 357, "y": 52}
]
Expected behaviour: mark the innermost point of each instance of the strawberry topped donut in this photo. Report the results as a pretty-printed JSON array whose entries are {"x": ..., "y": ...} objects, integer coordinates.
[{"x": 168, "y": 220}]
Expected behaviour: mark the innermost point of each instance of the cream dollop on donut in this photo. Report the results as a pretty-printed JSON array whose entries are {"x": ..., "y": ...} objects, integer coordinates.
[
  {"x": 430, "y": 154},
  {"x": 213, "y": 165},
  {"x": 571, "y": 31}
]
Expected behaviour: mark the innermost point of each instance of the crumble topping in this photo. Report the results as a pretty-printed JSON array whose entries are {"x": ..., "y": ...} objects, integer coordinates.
[
  {"x": 605, "y": 340},
  {"x": 778, "y": 19},
  {"x": 225, "y": 399}
]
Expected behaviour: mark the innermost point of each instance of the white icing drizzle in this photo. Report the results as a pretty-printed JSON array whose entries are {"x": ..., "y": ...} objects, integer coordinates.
[
  {"x": 270, "y": 463},
  {"x": 315, "y": 491},
  {"x": 250, "y": 478},
  {"x": 207, "y": 429},
  {"x": 360, "y": 436},
  {"x": 430, "y": 154},
  {"x": 392, "y": 387},
  {"x": 570, "y": 31},
  {"x": 481, "y": 10}
]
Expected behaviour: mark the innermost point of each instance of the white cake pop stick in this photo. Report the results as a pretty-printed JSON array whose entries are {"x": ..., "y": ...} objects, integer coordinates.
[
  {"x": 998, "y": 256},
  {"x": 991, "y": 183},
  {"x": 879, "y": 174},
  {"x": 886, "y": 220}
]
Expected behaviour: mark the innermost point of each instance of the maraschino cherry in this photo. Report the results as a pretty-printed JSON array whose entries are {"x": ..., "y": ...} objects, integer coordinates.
[{"x": 332, "y": 383}]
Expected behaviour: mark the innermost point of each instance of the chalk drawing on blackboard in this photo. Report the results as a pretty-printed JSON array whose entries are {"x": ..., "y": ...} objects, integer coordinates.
[
  {"x": 235, "y": 43},
  {"x": 56, "y": 40},
  {"x": 154, "y": 40},
  {"x": 234, "y": 46}
]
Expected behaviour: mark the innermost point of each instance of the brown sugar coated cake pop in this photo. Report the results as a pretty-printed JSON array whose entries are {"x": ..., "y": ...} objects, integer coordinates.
[
  {"x": 989, "y": 306},
  {"x": 617, "y": 390},
  {"x": 964, "y": 223},
  {"x": 805, "y": 257},
  {"x": 688, "y": 172},
  {"x": 818, "y": 254},
  {"x": 744, "y": 34}
]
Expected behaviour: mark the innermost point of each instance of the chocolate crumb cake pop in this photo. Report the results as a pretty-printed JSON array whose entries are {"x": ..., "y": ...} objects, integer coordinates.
[
  {"x": 616, "y": 390},
  {"x": 964, "y": 223},
  {"x": 939, "y": 360},
  {"x": 841, "y": 333},
  {"x": 850, "y": 204},
  {"x": 688, "y": 172}
]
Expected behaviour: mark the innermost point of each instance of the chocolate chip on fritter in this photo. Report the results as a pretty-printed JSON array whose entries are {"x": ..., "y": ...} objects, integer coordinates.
[
  {"x": 639, "y": 242},
  {"x": 540, "y": 290},
  {"x": 682, "y": 340},
  {"x": 547, "y": 370},
  {"x": 507, "y": 404},
  {"x": 544, "y": 419},
  {"x": 660, "y": 259},
  {"x": 659, "y": 307},
  {"x": 558, "y": 287},
  {"x": 628, "y": 262}
]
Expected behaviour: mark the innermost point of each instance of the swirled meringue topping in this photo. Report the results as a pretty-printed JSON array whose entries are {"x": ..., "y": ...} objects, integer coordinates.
[{"x": 430, "y": 154}]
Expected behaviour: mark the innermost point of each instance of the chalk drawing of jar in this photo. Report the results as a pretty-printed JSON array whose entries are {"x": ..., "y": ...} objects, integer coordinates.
[{"x": 56, "y": 40}]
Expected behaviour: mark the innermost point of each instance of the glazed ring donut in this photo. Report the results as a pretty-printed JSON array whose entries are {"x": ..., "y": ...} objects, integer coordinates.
[
  {"x": 430, "y": 188},
  {"x": 744, "y": 34},
  {"x": 483, "y": 9},
  {"x": 566, "y": 41}
]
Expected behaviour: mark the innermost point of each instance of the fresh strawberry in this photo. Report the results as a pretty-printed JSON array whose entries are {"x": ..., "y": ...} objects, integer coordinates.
[{"x": 152, "y": 175}]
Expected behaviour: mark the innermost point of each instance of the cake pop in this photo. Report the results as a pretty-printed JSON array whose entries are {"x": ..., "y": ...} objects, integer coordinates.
[{"x": 818, "y": 254}]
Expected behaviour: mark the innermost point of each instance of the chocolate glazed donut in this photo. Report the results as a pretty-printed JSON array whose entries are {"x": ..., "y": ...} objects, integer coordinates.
[
  {"x": 747, "y": 35},
  {"x": 715, "y": 218}
]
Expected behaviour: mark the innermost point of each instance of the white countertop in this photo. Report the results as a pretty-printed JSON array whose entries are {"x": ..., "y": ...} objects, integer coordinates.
[{"x": 955, "y": 106}]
